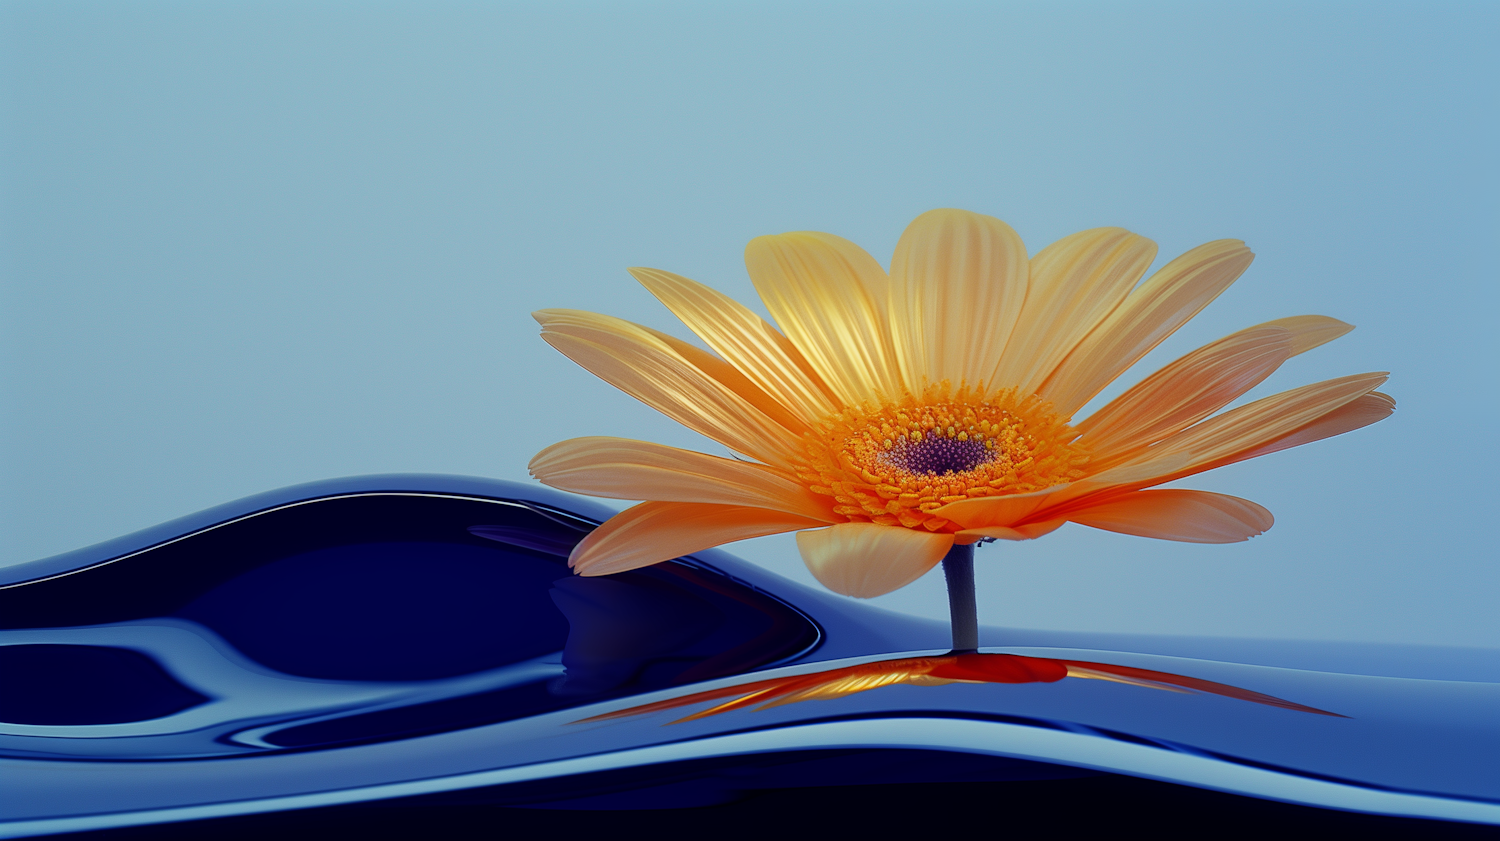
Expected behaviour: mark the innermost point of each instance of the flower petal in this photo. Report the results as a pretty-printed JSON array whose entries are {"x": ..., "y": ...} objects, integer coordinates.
[
  {"x": 1356, "y": 414},
  {"x": 715, "y": 368},
  {"x": 1185, "y": 515},
  {"x": 670, "y": 376},
  {"x": 745, "y": 340},
  {"x": 1165, "y": 463},
  {"x": 1075, "y": 283},
  {"x": 995, "y": 511},
  {"x": 1322, "y": 409},
  {"x": 866, "y": 560},
  {"x": 1184, "y": 392},
  {"x": 958, "y": 282},
  {"x": 619, "y": 468},
  {"x": 1310, "y": 331},
  {"x": 1015, "y": 510},
  {"x": 653, "y": 532},
  {"x": 1151, "y": 313},
  {"x": 1199, "y": 384},
  {"x": 828, "y": 295},
  {"x": 1029, "y": 531},
  {"x": 1256, "y": 424}
]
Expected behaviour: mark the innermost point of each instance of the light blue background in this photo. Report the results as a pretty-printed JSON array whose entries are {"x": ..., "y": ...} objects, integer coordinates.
[{"x": 247, "y": 245}]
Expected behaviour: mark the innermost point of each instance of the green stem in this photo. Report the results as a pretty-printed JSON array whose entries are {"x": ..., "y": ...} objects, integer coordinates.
[{"x": 958, "y": 569}]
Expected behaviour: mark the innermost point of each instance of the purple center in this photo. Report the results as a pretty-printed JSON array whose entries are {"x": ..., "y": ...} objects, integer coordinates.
[{"x": 935, "y": 455}]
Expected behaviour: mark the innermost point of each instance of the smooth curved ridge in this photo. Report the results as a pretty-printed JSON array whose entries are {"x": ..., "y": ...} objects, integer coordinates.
[{"x": 998, "y": 739}]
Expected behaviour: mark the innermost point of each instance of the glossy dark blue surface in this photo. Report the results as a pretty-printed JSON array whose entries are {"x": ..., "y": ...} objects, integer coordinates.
[
  {"x": 401, "y": 637},
  {"x": 87, "y": 684}
]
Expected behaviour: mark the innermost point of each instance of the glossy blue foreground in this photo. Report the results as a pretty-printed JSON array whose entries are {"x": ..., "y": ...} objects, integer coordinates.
[{"x": 397, "y": 636}]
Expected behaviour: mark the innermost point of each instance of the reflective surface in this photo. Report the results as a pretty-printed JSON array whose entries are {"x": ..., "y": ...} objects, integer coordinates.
[
  {"x": 358, "y": 618},
  {"x": 400, "y": 636}
]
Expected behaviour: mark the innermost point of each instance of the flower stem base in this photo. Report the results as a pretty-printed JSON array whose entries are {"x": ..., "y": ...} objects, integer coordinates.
[{"x": 958, "y": 569}]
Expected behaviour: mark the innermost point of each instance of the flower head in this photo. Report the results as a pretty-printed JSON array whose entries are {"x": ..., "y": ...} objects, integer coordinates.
[{"x": 894, "y": 414}]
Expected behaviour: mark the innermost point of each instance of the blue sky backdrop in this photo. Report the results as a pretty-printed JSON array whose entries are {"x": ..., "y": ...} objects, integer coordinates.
[{"x": 252, "y": 244}]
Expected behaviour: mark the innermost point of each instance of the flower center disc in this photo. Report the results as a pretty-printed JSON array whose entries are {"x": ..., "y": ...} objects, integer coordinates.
[
  {"x": 897, "y": 463},
  {"x": 934, "y": 455}
]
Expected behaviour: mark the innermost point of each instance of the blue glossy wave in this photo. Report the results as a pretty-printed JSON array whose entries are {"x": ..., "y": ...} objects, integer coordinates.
[{"x": 387, "y": 637}]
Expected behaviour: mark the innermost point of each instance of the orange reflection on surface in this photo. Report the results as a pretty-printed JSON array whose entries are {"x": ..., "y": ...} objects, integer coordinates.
[{"x": 937, "y": 671}]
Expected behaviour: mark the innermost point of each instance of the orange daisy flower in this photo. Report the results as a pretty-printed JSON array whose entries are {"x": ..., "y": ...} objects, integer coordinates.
[{"x": 894, "y": 415}]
